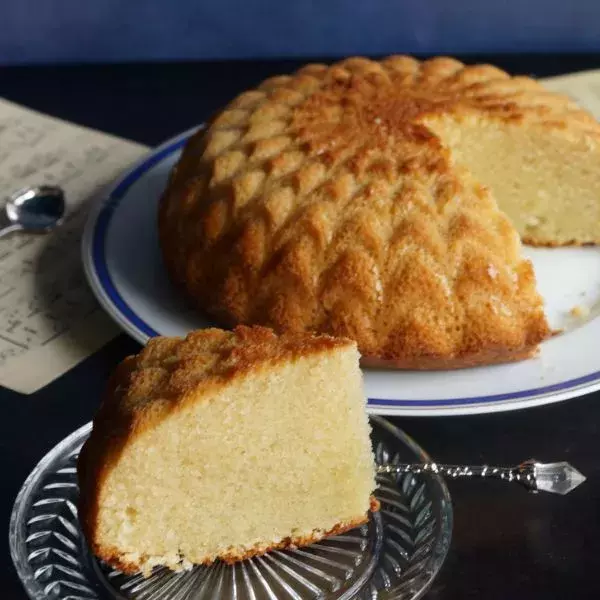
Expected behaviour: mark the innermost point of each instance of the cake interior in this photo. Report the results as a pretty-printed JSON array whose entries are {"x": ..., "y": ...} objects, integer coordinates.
[
  {"x": 281, "y": 453},
  {"x": 545, "y": 181}
]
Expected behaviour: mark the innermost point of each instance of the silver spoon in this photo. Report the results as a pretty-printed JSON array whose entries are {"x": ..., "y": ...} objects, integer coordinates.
[
  {"x": 36, "y": 209},
  {"x": 557, "y": 478}
]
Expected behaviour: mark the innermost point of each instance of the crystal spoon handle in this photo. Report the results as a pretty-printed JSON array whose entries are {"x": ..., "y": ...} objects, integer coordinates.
[{"x": 557, "y": 478}]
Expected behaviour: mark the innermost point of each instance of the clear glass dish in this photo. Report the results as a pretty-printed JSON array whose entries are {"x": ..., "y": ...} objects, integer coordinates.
[{"x": 395, "y": 556}]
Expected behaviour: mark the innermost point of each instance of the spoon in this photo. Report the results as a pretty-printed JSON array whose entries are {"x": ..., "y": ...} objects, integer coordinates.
[
  {"x": 36, "y": 209},
  {"x": 557, "y": 478}
]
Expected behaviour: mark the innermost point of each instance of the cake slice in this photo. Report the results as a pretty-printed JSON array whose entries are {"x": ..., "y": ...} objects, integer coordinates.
[{"x": 224, "y": 445}]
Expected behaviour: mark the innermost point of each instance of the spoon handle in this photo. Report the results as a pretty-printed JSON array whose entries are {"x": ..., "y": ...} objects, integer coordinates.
[
  {"x": 9, "y": 229},
  {"x": 557, "y": 478}
]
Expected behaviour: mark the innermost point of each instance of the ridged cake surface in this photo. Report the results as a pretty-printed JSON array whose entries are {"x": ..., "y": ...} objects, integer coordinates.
[{"x": 384, "y": 201}]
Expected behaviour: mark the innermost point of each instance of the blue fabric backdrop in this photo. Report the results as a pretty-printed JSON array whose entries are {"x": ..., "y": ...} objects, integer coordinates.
[{"x": 123, "y": 30}]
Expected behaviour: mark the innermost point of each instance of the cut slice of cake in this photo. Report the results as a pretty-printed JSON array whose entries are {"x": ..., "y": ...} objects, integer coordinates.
[{"x": 224, "y": 445}]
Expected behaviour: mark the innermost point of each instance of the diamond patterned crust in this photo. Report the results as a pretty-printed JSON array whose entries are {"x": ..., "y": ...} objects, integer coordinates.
[{"x": 323, "y": 201}]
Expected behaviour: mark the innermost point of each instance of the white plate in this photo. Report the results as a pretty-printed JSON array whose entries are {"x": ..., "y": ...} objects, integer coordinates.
[{"x": 123, "y": 265}]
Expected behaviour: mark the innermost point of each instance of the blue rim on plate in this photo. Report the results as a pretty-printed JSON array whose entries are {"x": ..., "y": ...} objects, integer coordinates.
[{"x": 97, "y": 231}]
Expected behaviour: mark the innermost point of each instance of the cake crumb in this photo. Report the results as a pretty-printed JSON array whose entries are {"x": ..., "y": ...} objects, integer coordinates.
[
  {"x": 492, "y": 271},
  {"x": 581, "y": 312}
]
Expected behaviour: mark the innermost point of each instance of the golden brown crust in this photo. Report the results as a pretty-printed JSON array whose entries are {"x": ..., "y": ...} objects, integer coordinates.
[
  {"x": 323, "y": 201},
  {"x": 115, "y": 558},
  {"x": 162, "y": 378},
  {"x": 532, "y": 241},
  {"x": 437, "y": 363}
]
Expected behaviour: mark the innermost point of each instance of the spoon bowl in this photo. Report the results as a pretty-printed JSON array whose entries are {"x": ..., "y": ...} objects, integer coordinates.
[{"x": 36, "y": 209}]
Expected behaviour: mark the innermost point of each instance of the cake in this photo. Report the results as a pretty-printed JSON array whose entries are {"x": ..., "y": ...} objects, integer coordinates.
[
  {"x": 384, "y": 201},
  {"x": 224, "y": 445}
]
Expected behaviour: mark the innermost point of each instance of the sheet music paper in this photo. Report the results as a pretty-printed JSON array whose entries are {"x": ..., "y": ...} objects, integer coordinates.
[
  {"x": 583, "y": 87},
  {"x": 49, "y": 318}
]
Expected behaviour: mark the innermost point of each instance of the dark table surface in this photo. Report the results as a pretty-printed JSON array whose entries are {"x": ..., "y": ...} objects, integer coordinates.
[{"x": 507, "y": 544}]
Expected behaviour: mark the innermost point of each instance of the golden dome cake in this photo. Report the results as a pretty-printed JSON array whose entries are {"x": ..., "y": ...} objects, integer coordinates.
[
  {"x": 386, "y": 202},
  {"x": 224, "y": 445}
]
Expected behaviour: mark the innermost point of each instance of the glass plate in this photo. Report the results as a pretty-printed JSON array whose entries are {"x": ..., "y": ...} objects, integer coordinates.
[{"x": 395, "y": 556}]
